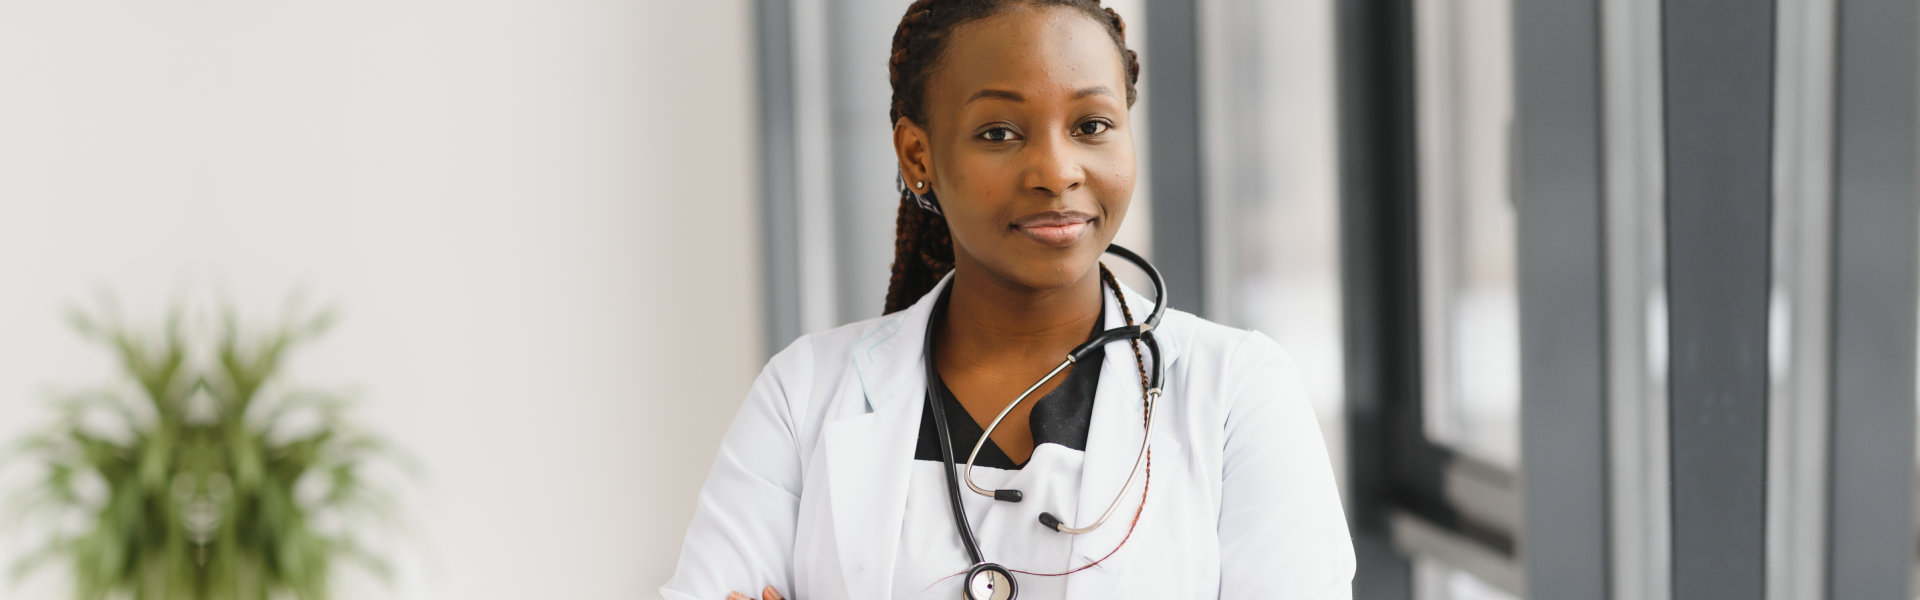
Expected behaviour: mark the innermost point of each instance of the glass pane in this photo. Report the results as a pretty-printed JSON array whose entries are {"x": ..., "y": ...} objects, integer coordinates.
[
  {"x": 1469, "y": 307},
  {"x": 1434, "y": 580},
  {"x": 1272, "y": 173}
]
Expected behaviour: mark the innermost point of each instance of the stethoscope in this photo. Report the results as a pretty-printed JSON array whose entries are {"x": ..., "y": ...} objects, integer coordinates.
[{"x": 990, "y": 581}]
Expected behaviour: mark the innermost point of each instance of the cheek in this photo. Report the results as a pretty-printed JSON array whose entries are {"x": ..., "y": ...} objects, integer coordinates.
[
  {"x": 980, "y": 184},
  {"x": 976, "y": 172},
  {"x": 972, "y": 194},
  {"x": 1114, "y": 186}
]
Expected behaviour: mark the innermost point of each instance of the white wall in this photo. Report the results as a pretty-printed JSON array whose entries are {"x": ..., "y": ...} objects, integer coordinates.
[{"x": 536, "y": 216}]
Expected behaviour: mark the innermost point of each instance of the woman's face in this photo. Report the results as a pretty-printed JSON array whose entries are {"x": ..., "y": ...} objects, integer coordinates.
[{"x": 1029, "y": 148}]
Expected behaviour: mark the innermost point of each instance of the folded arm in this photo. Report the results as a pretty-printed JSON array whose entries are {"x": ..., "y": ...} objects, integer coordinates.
[
  {"x": 742, "y": 533},
  {"x": 1282, "y": 531}
]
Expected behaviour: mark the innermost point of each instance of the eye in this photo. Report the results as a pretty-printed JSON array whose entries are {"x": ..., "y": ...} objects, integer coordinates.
[
  {"x": 998, "y": 134},
  {"x": 1093, "y": 127}
]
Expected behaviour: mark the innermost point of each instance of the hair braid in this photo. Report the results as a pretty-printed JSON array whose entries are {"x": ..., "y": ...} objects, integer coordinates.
[
  {"x": 923, "y": 247},
  {"x": 922, "y": 254},
  {"x": 1127, "y": 56}
]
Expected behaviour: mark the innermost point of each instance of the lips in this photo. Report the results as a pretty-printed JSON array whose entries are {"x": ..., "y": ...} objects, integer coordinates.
[{"x": 1058, "y": 229}]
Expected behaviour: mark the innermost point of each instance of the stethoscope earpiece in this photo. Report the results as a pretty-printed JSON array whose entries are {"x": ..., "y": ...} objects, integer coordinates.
[{"x": 1049, "y": 521}]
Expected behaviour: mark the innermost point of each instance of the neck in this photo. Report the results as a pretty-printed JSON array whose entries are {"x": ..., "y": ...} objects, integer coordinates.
[{"x": 989, "y": 320}]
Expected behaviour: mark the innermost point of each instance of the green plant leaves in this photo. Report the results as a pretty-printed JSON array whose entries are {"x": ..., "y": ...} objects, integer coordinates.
[{"x": 201, "y": 471}]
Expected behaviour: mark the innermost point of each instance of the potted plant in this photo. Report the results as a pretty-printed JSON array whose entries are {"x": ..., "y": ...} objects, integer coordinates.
[{"x": 203, "y": 475}]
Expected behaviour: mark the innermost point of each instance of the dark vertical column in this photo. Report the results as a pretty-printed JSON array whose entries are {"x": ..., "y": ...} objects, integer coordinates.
[
  {"x": 1379, "y": 283},
  {"x": 1563, "y": 300},
  {"x": 1871, "y": 549},
  {"x": 779, "y": 222},
  {"x": 1172, "y": 72},
  {"x": 1718, "y": 80}
]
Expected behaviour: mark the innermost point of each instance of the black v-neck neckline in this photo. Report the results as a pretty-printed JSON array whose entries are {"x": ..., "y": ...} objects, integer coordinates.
[{"x": 1063, "y": 416}]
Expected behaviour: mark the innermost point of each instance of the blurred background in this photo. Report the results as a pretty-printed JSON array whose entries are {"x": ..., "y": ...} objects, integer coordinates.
[{"x": 1594, "y": 299}]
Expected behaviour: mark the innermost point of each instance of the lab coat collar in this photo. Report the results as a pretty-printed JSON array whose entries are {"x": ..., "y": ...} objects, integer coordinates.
[
  {"x": 869, "y": 455},
  {"x": 888, "y": 355}
]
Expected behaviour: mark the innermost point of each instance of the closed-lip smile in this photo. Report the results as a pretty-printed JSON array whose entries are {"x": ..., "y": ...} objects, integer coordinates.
[{"x": 1055, "y": 228}]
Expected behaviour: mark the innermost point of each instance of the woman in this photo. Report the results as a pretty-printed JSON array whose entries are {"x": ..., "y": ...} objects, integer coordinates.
[{"x": 1016, "y": 155}]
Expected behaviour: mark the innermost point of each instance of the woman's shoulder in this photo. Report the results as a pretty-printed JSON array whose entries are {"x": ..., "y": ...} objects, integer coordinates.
[
  {"x": 1206, "y": 342},
  {"x": 807, "y": 379},
  {"x": 1226, "y": 364},
  {"x": 813, "y": 373}
]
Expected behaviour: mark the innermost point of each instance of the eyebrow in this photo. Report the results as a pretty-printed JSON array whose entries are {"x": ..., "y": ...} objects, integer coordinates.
[
  {"x": 993, "y": 93},
  {"x": 1098, "y": 90},
  {"x": 1009, "y": 95}
]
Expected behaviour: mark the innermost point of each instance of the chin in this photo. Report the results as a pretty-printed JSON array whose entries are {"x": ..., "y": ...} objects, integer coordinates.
[{"x": 1052, "y": 273}]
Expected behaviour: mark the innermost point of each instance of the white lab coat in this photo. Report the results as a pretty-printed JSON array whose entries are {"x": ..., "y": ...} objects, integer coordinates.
[{"x": 808, "y": 491}]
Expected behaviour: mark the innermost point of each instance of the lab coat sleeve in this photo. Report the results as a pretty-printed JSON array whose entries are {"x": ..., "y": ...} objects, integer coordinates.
[
  {"x": 742, "y": 533},
  {"x": 1282, "y": 532}
]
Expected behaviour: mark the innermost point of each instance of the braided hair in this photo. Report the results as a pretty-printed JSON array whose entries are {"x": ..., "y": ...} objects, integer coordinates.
[{"x": 923, "y": 246}]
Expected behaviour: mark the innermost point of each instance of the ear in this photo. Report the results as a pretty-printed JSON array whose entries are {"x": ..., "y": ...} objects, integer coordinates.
[{"x": 914, "y": 149}]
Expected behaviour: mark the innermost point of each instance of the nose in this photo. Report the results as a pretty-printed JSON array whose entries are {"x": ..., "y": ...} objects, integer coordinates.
[{"x": 1053, "y": 166}]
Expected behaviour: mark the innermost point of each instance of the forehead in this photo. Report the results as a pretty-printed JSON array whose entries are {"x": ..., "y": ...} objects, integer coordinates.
[{"x": 1034, "y": 50}]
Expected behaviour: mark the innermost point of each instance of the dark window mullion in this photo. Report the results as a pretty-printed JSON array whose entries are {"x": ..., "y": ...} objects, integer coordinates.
[
  {"x": 1871, "y": 545},
  {"x": 1718, "y": 85}
]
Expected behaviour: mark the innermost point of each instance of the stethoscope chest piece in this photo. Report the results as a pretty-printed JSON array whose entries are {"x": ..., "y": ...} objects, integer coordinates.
[{"x": 988, "y": 581}]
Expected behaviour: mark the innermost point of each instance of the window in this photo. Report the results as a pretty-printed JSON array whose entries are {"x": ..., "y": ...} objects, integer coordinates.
[
  {"x": 1469, "y": 310},
  {"x": 1271, "y": 179}
]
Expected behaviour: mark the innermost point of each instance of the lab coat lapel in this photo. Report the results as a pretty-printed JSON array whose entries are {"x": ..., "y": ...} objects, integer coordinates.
[
  {"x": 869, "y": 448},
  {"x": 1113, "y": 440}
]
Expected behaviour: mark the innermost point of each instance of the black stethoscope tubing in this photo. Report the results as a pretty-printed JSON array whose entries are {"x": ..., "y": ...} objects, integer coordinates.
[{"x": 953, "y": 477}]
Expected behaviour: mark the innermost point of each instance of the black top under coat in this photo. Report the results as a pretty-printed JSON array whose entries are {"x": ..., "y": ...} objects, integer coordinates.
[{"x": 1061, "y": 417}]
